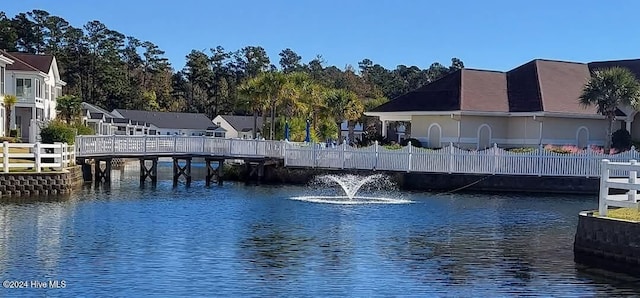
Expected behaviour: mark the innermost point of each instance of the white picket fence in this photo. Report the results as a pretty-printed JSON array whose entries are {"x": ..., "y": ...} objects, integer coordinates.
[
  {"x": 539, "y": 162},
  {"x": 36, "y": 157},
  {"x": 630, "y": 199}
]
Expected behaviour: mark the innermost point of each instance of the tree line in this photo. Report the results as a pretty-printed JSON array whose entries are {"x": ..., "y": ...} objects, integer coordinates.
[{"x": 113, "y": 70}]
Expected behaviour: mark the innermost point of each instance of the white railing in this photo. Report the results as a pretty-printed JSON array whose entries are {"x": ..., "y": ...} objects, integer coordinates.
[
  {"x": 538, "y": 162},
  {"x": 630, "y": 199},
  {"x": 36, "y": 157},
  {"x": 116, "y": 145}
]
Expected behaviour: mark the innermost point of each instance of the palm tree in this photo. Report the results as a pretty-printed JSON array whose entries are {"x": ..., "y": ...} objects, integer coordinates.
[
  {"x": 69, "y": 107},
  {"x": 343, "y": 105},
  {"x": 607, "y": 90},
  {"x": 9, "y": 102},
  {"x": 254, "y": 99}
]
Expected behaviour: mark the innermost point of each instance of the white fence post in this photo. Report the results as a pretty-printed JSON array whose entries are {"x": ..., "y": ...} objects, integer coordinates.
[
  {"x": 375, "y": 165},
  {"x": 344, "y": 153},
  {"x": 633, "y": 177},
  {"x": 450, "y": 157},
  {"x": 144, "y": 144},
  {"x": 409, "y": 157},
  {"x": 113, "y": 142},
  {"x": 284, "y": 151},
  {"x": 36, "y": 155},
  {"x": 495, "y": 159},
  {"x": 604, "y": 187},
  {"x": 5, "y": 157},
  {"x": 315, "y": 155},
  {"x": 539, "y": 159}
]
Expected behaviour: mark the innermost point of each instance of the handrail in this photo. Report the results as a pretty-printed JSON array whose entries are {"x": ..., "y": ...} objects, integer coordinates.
[{"x": 36, "y": 157}]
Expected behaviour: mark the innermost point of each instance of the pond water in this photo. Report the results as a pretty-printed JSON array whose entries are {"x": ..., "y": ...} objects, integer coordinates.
[{"x": 239, "y": 240}]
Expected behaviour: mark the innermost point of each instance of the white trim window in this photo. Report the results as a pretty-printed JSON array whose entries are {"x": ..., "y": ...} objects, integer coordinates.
[
  {"x": 38, "y": 89},
  {"x": 24, "y": 88},
  {"x": 47, "y": 92},
  {"x": 2, "y": 71}
]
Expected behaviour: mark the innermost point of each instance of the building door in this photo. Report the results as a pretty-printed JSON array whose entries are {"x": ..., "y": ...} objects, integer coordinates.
[
  {"x": 582, "y": 137},
  {"x": 484, "y": 137},
  {"x": 435, "y": 133}
]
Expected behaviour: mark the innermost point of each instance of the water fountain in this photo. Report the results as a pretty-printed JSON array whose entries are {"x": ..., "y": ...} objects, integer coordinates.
[{"x": 350, "y": 185}]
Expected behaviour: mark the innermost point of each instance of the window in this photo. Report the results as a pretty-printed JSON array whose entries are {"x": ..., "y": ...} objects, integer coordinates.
[
  {"x": 47, "y": 92},
  {"x": 1, "y": 80},
  {"x": 219, "y": 135},
  {"x": 24, "y": 88},
  {"x": 38, "y": 89}
]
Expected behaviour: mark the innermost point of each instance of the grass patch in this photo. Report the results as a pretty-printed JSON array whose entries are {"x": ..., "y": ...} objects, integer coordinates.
[{"x": 623, "y": 213}]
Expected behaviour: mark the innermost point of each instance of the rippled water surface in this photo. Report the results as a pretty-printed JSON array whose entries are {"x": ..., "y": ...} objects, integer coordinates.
[{"x": 239, "y": 240}]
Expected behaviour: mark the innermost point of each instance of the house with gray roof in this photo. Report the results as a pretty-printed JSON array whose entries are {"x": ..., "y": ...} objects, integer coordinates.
[
  {"x": 240, "y": 127},
  {"x": 165, "y": 123}
]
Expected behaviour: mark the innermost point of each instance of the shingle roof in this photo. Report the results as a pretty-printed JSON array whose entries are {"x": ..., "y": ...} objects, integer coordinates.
[
  {"x": 465, "y": 89},
  {"x": 168, "y": 119},
  {"x": 537, "y": 86},
  {"x": 95, "y": 109},
  {"x": 242, "y": 123},
  {"x": 29, "y": 62}
]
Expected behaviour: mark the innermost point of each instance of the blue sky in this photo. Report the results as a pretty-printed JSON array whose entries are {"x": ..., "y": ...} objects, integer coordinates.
[{"x": 489, "y": 34}]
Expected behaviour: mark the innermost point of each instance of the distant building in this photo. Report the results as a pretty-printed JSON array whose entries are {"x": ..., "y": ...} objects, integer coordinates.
[
  {"x": 237, "y": 126},
  {"x": 35, "y": 81},
  {"x": 136, "y": 122}
]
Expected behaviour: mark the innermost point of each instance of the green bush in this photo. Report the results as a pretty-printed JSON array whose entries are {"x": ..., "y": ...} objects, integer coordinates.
[
  {"x": 83, "y": 130},
  {"x": 414, "y": 142},
  {"x": 392, "y": 147},
  {"x": 522, "y": 150},
  {"x": 621, "y": 140},
  {"x": 14, "y": 133},
  {"x": 9, "y": 139},
  {"x": 57, "y": 131}
]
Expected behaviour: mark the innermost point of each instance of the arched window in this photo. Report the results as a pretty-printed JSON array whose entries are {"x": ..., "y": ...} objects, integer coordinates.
[
  {"x": 484, "y": 136},
  {"x": 434, "y": 135},
  {"x": 582, "y": 137}
]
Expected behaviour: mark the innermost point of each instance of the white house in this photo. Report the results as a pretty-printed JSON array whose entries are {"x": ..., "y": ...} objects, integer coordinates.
[
  {"x": 35, "y": 81},
  {"x": 533, "y": 104},
  {"x": 236, "y": 126},
  {"x": 4, "y": 61}
]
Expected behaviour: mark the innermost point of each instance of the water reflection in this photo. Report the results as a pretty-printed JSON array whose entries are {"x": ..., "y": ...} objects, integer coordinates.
[{"x": 238, "y": 240}]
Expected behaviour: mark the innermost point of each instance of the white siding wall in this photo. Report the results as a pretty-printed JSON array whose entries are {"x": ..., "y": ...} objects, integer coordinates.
[{"x": 231, "y": 132}]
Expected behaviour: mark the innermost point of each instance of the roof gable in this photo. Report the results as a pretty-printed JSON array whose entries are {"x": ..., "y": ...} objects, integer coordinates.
[
  {"x": 31, "y": 62},
  {"x": 484, "y": 90},
  {"x": 440, "y": 95},
  {"x": 561, "y": 84},
  {"x": 241, "y": 123}
]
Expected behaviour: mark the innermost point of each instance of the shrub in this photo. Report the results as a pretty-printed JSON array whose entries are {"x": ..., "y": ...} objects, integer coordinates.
[
  {"x": 82, "y": 130},
  {"x": 565, "y": 149},
  {"x": 14, "y": 133},
  {"x": 9, "y": 139},
  {"x": 414, "y": 142},
  {"x": 621, "y": 140},
  {"x": 522, "y": 150},
  {"x": 393, "y": 146},
  {"x": 57, "y": 131}
]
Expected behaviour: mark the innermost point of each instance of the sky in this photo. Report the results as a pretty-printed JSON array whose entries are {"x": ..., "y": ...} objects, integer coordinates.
[{"x": 488, "y": 34}]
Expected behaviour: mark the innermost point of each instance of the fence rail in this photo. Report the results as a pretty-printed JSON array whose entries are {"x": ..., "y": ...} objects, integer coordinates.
[
  {"x": 450, "y": 159},
  {"x": 36, "y": 157},
  {"x": 630, "y": 199}
]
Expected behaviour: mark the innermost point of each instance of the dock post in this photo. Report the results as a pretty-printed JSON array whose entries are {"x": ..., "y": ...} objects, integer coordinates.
[
  {"x": 150, "y": 172},
  {"x": 220, "y": 170},
  {"x": 179, "y": 170},
  {"x": 101, "y": 175}
]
